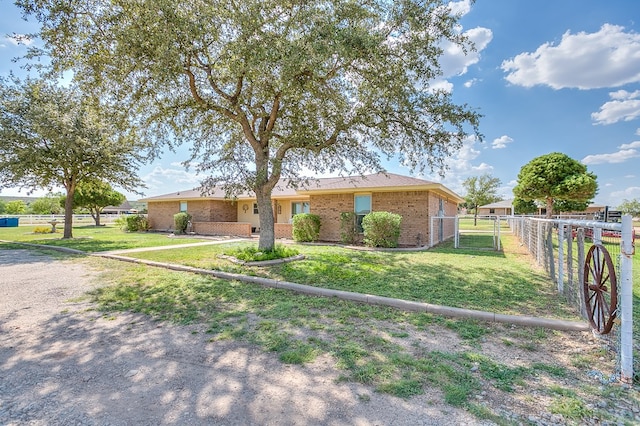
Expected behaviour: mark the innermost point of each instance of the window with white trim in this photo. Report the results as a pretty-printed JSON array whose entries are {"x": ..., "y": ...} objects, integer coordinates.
[{"x": 183, "y": 206}]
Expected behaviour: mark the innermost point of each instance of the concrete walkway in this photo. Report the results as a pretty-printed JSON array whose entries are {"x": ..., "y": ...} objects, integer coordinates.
[
  {"x": 174, "y": 246},
  {"x": 406, "y": 305}
]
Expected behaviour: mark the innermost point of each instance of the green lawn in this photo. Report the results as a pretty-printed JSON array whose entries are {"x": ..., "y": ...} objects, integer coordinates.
[
  {"x": 484, "y": 280},
  {"x": 370, "y": 344},
  {"x": 90, "y": 238}
]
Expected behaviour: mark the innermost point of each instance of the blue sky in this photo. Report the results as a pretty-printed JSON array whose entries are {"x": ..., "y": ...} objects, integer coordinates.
[{"x": 548, "y": 75}]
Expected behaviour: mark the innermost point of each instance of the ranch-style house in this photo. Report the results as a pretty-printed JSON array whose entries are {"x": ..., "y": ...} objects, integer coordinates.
[{"x": 416, "y": 200}]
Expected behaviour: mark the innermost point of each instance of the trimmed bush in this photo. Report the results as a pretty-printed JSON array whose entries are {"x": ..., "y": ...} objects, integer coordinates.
[
  {"x": 348, "y": 231},
  {"x": 381, "y": 229},
  {"x": 133, "y": 223},
  {"x": 181, "y": 221},
  {"x": 306, "y": 227}
]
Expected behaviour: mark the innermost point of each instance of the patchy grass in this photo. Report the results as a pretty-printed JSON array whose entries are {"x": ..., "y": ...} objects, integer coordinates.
[
  {"x": 91, "y": 238},
  {"x": 493, "y": 281}
]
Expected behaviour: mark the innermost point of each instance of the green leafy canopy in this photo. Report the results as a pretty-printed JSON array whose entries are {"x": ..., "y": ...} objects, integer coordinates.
[
  {"x": 262, "y": 89},
  {"x": 58, "y": 136},
  {"x": 557, "y": 181}
]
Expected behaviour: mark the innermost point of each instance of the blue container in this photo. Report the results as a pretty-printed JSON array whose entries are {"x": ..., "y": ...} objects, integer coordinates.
[
  {"x": 12, "y": 221},
  {"x": 3, "y": 222}
]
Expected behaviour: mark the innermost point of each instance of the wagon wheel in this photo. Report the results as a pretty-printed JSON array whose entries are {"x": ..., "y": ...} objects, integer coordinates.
[{"x": 600, "y": 289}]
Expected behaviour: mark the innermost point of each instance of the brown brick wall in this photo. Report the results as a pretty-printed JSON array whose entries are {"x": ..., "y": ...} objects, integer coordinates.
[
  {"x": 329, "y": 207},
  {"x": 413, "y": 206},
  {"x": 161, "y": 213},
  {"x": 283, "y": 230},
  {"x": 222, "y": 228}
]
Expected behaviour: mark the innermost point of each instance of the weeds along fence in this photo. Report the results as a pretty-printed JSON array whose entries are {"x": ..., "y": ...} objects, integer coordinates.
[{"x": 592, "y": 266}]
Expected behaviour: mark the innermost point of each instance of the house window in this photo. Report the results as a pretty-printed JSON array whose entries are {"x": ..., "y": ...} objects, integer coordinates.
[
  {"x": 183, "y": 206},
  {"x": 492, "y": 211},
  {"x": 299, "y": 207},
  {"x": 362, "y": 207},
  {"x": 255, "y": 208}
]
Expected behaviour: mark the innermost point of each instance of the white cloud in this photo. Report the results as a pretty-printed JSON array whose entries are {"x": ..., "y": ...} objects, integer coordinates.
[
  {"x": 461, "y": 166},
  {"x": 471, "y": 82},
  {"x": 613, "y": 158},
  {"x": 482, "y": 168},
  {"x": 169, "y": 179},
  {"x": 630, "y": 176},
  {"x": 624, "y": 106},
  {"x": 455, "y": 62},
  {"x": 631, "y": 145},
  {"x": 616, "y": 157},
  {"x": 607, "y": 58},
  {"x": 460, "y": 8},
  {"x": 19, "y": 39},
  {"x": 501, "y": 142},
  {"x": 627, "y": 193}
]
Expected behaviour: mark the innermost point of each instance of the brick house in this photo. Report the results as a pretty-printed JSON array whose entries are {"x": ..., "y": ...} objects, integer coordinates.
[{"x": 416, "y": 200}]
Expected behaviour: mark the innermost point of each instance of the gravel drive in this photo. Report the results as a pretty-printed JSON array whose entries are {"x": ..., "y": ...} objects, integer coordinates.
[{"x": 62, "y": 362}]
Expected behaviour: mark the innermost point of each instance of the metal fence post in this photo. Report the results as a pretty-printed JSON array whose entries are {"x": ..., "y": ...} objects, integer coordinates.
[
  {"x": 560, "y": 258},
  {"x": 456, "y": 240},
  {"x": 581, "y": 258},
  {"x": 626, "y": 300}
]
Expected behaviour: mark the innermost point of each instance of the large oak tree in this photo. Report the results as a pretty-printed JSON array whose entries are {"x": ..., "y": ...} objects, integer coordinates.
[
  {"x": 56, "y": 136},
  {"x": 263, "y": 89}
]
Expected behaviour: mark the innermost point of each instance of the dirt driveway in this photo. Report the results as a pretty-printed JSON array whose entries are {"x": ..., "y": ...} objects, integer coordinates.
[{"x": 61, "y": 362}]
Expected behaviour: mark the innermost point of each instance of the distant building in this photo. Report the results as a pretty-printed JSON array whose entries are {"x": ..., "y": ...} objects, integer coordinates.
[{"x": 500, "y": 208}]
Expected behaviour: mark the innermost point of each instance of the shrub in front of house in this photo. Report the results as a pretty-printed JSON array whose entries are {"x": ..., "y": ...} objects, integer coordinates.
[
  {"x": 181, "y": 220},
  {"x": 348, "y": 230},
  {"x": 381, "y": 229},
  {"x": 306, "y": 227},
  {"x": 133, "y": 223}
]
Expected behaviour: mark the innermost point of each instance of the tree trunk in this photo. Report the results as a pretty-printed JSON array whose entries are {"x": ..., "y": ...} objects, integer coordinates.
[
  {"x": 95, "y": 214},
  {"x": 68, "y": 212},
  {"x": 475, "y": 216},
  {"x": 549, "y": 214},
  {"x": 267, "y": 234}
]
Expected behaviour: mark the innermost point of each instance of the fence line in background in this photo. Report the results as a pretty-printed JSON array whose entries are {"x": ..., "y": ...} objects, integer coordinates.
[{"x": 35, "y": 219}]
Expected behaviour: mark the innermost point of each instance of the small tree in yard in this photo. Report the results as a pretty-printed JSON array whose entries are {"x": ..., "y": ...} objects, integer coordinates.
[
  {"x": 381, "y": 229},
  {"x": 631, "y": 207},
  {"x": 95, "y": 196},
  {"x": 263, "y": 89},
  {"x": 481, "y": 190},
  {"x": 57, "y": 136},
  {"x": 16, "y": 207},
  {"x": 46, "y": 205},
  {"x": 554, "y": 178}
]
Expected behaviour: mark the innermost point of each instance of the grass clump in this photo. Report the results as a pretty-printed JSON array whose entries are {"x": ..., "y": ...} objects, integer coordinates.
[{"x": 253, "y": 254}]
